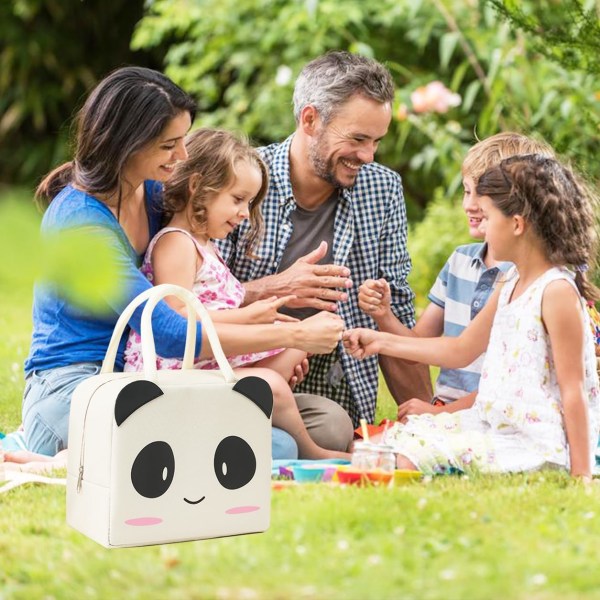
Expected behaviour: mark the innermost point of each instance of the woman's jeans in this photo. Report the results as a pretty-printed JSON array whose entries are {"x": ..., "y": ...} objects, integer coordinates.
[
  {"x": 46, "y": 405},
  {"x": 47, "y": 402}
]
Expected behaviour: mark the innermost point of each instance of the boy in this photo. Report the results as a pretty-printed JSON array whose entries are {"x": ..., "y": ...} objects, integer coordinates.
[{"x": 461, "y": 289}]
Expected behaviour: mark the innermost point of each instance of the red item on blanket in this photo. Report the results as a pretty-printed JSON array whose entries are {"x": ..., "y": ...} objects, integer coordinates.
[{"x": 374, "y": 429}]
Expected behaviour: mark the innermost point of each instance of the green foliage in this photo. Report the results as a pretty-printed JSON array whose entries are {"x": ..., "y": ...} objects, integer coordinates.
[
  {"x": 432, "y": 240},
  {"x": 240, "y": 58},
  {"x": 52, "y": 53},
  {"x": 567, "y": 31},
  {"x": 78, "y": 262}
]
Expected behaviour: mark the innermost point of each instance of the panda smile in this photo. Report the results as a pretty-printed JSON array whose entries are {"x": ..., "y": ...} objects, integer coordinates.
[{"x": 194, "y": 501}]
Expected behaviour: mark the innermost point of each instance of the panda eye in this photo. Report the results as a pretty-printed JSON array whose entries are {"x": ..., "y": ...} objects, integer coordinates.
[
  {"x": 235, "y": 463},
  {"x": 153, "y": 470}
]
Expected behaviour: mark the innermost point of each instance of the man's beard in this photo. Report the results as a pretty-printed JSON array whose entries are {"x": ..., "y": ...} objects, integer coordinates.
[{"x": 324, "y": 167}]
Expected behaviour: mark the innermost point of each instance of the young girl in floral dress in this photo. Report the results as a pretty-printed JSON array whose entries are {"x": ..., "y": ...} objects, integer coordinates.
[
  {"x": 538, "y": 401},
  {"x": 221, "y": 184}
]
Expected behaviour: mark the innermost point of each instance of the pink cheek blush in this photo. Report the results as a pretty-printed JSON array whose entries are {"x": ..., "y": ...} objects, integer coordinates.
[
  {"x": 143, "y": 521},
  {"x": 237, "y": 510}
]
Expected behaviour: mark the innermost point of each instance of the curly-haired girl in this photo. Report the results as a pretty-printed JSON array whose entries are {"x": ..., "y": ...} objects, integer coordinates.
[{"x": 538, "y": 403}]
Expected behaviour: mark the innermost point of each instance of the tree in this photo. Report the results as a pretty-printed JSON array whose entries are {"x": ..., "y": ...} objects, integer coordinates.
[
  {"x": 240, "y": 59},
  {"x": 52, "y": 53},
  {"x": 566, "y": 31}
]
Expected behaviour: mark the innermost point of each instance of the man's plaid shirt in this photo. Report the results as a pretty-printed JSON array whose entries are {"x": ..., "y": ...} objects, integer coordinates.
[{"x": 369, "y": 238}]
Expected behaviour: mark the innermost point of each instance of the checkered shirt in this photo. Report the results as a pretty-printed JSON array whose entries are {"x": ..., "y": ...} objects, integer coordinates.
[{"x": 369, "y": 238}]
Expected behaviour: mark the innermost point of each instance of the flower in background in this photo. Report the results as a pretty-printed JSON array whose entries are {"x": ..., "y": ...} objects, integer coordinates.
[
  {"x": 283, "y": 75},
  {"x": 433, "y": 97},
  {"x": 402, "y": 112}
]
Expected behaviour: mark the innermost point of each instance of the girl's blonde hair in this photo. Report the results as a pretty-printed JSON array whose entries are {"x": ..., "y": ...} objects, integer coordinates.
[
  {"x": 213, "y": 155},
  {"x": 489, "y": 152},
  {"x": 560, "y": 207}
]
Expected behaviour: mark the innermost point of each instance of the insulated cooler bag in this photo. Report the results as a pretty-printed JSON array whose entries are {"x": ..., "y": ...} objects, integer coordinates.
[{"x": 173, "y": 455}]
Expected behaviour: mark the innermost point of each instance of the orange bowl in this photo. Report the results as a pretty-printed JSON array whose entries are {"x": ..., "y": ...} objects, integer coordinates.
[{"x": 379, "y": 477}]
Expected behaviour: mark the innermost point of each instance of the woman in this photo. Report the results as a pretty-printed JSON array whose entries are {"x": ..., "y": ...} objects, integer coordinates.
[{"x": 130, "y": 135}]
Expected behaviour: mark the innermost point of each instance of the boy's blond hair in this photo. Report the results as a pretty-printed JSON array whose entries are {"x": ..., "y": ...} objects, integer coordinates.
[{"x": 489, "y": 152}]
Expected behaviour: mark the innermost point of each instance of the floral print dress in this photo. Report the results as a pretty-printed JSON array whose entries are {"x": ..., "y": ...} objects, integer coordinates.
[
  {"x": 516, "y": 422},
  {"x": 217, "y": 289}
]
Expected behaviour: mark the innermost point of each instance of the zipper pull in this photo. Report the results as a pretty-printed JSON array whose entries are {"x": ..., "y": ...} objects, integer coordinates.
[{"x": 80, "y": 478}]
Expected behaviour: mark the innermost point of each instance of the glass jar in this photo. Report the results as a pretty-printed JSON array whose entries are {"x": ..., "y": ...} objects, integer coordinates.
[{"x": 368, "y": 456}]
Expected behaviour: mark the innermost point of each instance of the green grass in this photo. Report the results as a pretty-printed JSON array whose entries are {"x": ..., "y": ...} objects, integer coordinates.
[{"x": 518, "y": 537}]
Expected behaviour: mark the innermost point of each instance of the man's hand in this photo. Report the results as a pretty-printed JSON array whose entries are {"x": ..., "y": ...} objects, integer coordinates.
[
  {"x": 315, "y": 286},
  {"x": 416, "y": 407},
  {"x": 375, "y": 297}
]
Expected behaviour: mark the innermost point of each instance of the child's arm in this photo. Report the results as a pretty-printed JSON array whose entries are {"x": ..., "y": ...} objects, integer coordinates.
[
  {"x": 319, "y": 334},
  {"x": 431, "y": 322},
  {"x": 175, "y": 260},
  {"x": 420, "y": 407},
  {"x": 563, "y": 319},
  {"x": 260, "y": 311},
  {"x": 447, "y": 352}
]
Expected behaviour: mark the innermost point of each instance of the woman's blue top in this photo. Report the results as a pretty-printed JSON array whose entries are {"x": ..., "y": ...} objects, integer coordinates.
[{"x": 64, "y": 334}]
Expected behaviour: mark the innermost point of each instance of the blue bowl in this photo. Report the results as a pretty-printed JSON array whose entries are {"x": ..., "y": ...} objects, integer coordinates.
[{"x": 310, "y": 473}]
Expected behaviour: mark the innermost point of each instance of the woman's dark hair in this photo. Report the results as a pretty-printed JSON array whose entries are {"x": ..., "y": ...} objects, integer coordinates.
[
  {"x": 127, "y": 110},
  {"x": 560, "y": 207},
  {"x": 213, "y": 156}
]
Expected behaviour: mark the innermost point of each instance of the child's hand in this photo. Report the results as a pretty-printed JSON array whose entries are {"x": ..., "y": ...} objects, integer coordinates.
[
  {"x": 374, "y": 297},
  {"x": 361, "y": 343},
  {"x": 415, "y": 406},
  {"x": 300, "y": 372},
  {"x": 265, "y": 311}
]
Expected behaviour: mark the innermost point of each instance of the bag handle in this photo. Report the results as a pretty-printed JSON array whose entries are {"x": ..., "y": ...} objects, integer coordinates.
[{"x": 194, "y": 308}]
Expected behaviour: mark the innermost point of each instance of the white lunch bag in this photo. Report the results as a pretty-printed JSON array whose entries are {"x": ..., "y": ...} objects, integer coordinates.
[{"x": 170, "y": 455}]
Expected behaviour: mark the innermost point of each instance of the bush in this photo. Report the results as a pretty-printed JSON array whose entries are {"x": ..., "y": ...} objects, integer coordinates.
[
  {"x": 431, "y": 242},
  {"x": 52, "y": 53}
]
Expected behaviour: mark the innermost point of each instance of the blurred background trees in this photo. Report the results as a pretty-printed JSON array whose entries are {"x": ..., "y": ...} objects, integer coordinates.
[
  {"x": 52, "y": 52},
  {"x": 526, "y": 65}
]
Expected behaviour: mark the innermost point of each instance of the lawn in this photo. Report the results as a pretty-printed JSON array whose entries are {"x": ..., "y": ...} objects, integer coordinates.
[{"x": 517, "y": 537}]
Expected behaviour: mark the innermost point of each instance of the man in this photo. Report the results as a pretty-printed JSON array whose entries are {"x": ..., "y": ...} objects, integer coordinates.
[{"x": 333, "y": 218}]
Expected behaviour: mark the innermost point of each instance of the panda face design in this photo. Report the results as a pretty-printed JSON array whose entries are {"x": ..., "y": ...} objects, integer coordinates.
[{"x": 189, "y": 464}]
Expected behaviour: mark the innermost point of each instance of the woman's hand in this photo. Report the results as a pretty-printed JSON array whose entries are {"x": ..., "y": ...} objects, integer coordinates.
[
  {"x": 321, "y": 333},
  {"x": 360, "y": 343},
  {"x": 374, "y": 298},
  {"x": 265, "y": 311}
]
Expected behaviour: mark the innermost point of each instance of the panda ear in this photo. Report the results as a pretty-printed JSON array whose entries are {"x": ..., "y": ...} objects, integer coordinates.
[
  {"x": 133, "y": 396},
  {"x": 258, "y": 391}
]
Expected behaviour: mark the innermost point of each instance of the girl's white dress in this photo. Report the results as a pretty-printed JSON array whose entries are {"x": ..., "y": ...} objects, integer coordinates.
[{"x": 516, "y": 422}]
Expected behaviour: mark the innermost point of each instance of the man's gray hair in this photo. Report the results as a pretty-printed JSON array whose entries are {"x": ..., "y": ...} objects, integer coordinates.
[{"x": 329, "y": 81}]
